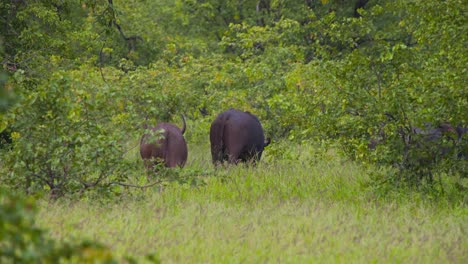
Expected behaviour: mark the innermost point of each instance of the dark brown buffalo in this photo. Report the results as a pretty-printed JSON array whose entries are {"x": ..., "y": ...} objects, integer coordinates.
[
  {"x": 236, "y": 136},
  {"x": 429, "y": 134},
  {"x": 462, "y": 142},
  {"x": 165, "y": 144},
  {"x": 443, "y": 139},
  {"x": 461, "y": 131},
  {"x": 433, "y": 134}
]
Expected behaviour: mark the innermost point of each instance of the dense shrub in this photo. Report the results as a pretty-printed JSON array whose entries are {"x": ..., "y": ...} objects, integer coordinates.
[
  {"x": 21, "y": 241},
  {"x": 344, "y": 72}
]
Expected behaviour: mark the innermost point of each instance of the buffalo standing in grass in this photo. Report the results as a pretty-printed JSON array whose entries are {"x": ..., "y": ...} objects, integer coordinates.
[
  {"x": 165, "y": 144},
  {"x": 237, "y": 136},
  {"x": 422, "y": 151},
  {"x": 438, "y": 141},
  {"x": 462, "y": 142}
]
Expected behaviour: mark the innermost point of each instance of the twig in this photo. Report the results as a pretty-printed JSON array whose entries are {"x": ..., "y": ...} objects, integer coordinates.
[
  {"x": 135, "y": 186},
  {"x": 101, "y": 63}
]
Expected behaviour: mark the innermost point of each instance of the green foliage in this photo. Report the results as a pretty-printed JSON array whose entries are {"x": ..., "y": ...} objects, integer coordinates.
[
  {"x": 91, "y": 126},
  {"x": 378, "y": 77},
  {"x": 68, "y": 135},
  {"x": 21, "y": 241},
  {"x": 6, "y": 95},
  {"x": 384, "y": 73},
  {"x": 86, "y": 77},
  {"x": 343, "y": 73},
  {"x": 213, "y": 16}
]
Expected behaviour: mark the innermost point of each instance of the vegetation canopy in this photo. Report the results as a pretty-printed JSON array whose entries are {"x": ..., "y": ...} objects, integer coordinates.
[
  {"x": 378, "y": 83},
  {"x": 371, "y": 77}
]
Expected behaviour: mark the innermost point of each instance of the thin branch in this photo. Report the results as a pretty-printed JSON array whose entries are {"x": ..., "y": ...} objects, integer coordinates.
[
  {"x": 99, "y": 179},
  {"x": 135, "y": 186},
  {"x": 128, "y": 150},
  {"x": 379, "y": 80},
  {"x": 42, "y": 178},
  {"x": 131, "y": 40},
  {"x": 101, "y": 63}
]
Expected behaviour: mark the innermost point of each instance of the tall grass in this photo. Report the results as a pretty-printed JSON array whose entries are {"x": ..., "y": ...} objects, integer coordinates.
[{"x": 299, "y": 205}]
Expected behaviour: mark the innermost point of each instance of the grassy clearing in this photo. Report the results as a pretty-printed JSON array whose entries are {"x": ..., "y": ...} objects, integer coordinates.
[{"x": 300, "y": 207}]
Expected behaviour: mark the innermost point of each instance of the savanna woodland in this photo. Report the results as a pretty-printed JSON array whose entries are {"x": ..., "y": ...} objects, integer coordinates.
[{"x": 365, "y": 102}]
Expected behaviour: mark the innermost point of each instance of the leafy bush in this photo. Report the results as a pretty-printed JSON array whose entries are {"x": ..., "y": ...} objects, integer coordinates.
[
  {"x": 382, "y": 76},
  {"x": 64, "y": 138},
  {"x": 348, "y": 73},
  {"x": 22, "y": 242}
]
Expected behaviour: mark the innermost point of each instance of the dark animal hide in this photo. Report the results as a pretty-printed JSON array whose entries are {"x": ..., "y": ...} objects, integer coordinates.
[
  {"x": 442, "y": 140},
  {"x": 237, "y": 136},
  {"x": 165, "y": 144}
]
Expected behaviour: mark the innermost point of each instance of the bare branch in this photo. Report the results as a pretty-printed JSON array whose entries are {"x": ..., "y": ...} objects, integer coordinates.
[
  {"x": 135, "y": 186},
  {"x": 131, "y": 40},
  {"x": 101, "y": 63}
]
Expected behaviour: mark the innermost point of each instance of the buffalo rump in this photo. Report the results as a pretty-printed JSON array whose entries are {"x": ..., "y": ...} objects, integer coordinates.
[
  {"x": 165, "y": 144},
  {"x": 236, "y": 136}
]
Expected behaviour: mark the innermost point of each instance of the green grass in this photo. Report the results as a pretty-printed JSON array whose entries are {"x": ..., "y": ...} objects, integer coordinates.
[{"x": 295, "y": 207}]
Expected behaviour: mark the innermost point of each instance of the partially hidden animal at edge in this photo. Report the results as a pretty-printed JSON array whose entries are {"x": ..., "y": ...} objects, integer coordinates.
[
  {"x": 165, "y": 144},
  {"x": 237, "y": 136}
]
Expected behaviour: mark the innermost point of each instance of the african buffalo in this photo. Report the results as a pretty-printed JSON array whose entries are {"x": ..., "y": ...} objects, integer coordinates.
[
  {"x": 429, "y": 134},
  {"x": 236, "y": 136},
  {"x": 442, "y": 139},
  {"x": 165, "y": 144},
  {"x": 461, "y": 131},
  {"x": 462, "y": 142},
  {"x": 433, "y": 134}
]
